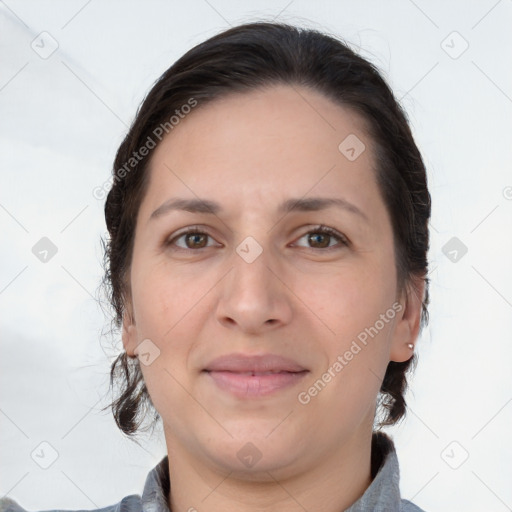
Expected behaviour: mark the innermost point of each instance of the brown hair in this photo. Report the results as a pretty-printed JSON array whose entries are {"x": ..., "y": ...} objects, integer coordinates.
[{"x": 241, "y": 59}]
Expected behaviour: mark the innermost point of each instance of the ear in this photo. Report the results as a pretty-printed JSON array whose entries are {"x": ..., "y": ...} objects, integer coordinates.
[
  {"x": 408, "y": 320},
  {"x": 129, "y": 334}
]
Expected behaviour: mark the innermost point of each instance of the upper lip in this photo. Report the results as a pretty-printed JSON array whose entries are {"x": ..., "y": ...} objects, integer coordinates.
[{"x": 240, "y": 363}]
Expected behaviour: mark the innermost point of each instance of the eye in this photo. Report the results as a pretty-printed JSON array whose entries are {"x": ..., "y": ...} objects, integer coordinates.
[
  {"x": 191, "y": 238},
  {"x": 322, "y": 237}
]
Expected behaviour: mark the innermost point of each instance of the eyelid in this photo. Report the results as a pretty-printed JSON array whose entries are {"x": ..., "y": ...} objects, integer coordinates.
[
  {"x": 321, "y": 228},
  {"x": 185, "y": 231}
]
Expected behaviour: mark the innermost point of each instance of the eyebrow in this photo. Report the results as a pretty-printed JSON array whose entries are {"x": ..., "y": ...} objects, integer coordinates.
[{"x": 311, "y": 204}]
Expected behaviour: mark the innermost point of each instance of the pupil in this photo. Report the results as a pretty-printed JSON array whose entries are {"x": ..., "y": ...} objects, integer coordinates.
[
  {"x": 318, "y": 238},
  {"x": 195, "y": 237}
]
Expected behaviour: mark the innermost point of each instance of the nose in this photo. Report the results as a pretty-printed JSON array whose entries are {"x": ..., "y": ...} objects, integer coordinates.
[{"x": 254, "y": 297}]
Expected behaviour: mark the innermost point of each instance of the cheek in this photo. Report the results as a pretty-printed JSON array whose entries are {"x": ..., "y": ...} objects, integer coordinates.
[
  {"x": 171, "y": 308},
  {"x": 167, "y": 316},
  {"x": 360, "y": 313},
  {"x": 165, "y": 298},
  {"x": 348, "y": 301}
]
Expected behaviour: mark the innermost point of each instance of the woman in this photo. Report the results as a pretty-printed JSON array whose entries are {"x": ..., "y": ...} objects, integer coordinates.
[{"x": 267, "y": 264}]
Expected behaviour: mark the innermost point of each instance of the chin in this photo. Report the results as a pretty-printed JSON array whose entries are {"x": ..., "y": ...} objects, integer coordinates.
[{"x": 251, "y": 455}]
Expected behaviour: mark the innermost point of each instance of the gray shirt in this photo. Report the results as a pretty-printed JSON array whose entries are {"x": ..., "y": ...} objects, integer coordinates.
[{"x": 382, "y": 495}]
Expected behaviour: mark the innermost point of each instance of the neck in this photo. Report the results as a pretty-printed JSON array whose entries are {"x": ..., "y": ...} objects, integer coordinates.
[{"x": 333, "y": 484}]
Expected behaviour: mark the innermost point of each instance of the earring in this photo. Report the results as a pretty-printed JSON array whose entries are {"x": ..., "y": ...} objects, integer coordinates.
[{"x": 411, "y": 346}]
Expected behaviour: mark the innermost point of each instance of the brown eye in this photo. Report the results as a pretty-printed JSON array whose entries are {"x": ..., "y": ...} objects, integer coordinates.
[
  {"x": 319, "y": 240},
  {"x": 195, "y": 240},
  {"x": 191, "y": 239},
  {"x": 323, "y": 237}
]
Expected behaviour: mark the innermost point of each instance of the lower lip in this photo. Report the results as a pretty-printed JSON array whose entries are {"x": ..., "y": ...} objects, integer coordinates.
[{"x": 244, "y": 385}]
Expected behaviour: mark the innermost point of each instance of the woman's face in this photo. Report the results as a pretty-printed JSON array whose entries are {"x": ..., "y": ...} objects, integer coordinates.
[{"x": 259, "y": 279}]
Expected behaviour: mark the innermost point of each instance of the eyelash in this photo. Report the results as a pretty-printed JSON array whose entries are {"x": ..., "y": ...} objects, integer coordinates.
[{"x": 196, "y": 230}]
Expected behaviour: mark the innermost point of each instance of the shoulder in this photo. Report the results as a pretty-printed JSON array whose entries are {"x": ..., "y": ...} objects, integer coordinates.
[
  {"x": 132, "y": 503},
  {"x": 9, "y": 505},
  {"x": 154, "y": 496},
  {"x": 407, "y": 506}
]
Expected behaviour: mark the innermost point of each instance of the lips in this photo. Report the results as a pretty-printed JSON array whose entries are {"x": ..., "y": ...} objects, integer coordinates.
[
  {"x": 256, "y": 364},
  {"x": 254, "y": 376}
]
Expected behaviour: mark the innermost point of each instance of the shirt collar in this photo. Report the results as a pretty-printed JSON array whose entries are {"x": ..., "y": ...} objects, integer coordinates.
[{"x": 383, "y": 494}]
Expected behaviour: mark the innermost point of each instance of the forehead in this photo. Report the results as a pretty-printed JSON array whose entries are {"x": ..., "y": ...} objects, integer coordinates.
[{"x": 264, "y": 146}]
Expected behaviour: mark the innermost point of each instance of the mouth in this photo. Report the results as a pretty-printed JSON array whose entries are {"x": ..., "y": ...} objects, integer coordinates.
[
  {"x": 255, "y": 384},
  {"x": 254, "y": 376}
]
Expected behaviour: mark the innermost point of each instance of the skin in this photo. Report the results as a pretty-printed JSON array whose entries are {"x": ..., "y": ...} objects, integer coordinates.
[{"x": 197, "y": 299}]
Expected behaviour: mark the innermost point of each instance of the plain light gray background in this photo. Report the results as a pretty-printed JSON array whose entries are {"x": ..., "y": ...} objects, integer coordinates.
[{"x": 63, "y": 116}]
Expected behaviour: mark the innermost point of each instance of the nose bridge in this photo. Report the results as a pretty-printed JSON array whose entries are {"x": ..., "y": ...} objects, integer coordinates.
[
  {"x": 253, "y": 296},
  {"x": 251, "y": 276}
]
